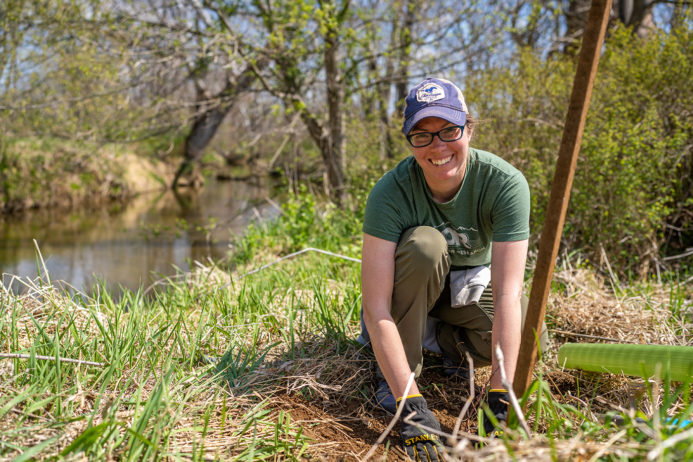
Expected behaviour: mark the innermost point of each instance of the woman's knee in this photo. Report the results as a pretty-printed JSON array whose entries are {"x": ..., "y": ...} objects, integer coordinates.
[{"x": 423, "y": 246}]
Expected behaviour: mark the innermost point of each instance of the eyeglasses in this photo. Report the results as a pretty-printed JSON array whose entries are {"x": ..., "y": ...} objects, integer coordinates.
[{"x": 448, "y": 134}]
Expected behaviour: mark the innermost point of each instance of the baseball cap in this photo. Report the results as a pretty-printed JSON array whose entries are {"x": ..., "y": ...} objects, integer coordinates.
[{"x": 434, "y": 98}]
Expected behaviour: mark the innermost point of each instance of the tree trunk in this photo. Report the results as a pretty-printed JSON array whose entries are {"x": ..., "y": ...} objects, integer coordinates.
[
  {"x": 328, "y": 136},
  {"x": 404, "y": 55},
  {"x": 205, "y": 125},
  {"x": 333, "y": 153},
  {"x": 633, "y": 13},
  {"x": 371, "y": 93},
  {"x": 638, "y": 14},
  {"x": 387, "y": 149},
  {"x": 330, "y": 139},
  {"x": 575, "y": 19},
  {"x": 330, "y": 158}
]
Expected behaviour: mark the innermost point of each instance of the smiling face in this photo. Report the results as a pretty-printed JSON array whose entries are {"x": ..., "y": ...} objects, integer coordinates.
[{"x": 443, "y": 163}]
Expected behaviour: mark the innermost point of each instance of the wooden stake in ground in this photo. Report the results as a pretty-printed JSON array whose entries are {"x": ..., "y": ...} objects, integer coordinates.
[{"x": 592, "y": 40}]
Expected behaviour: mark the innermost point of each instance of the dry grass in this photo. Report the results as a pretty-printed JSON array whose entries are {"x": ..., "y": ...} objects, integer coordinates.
[
  {"x": 587, "y": 306},
  {"x": 312, "y": 382}
]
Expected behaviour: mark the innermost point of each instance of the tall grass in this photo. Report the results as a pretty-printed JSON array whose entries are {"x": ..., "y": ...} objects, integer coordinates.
[
  {"x": 180, "y": 368},
  {"x": 205, "y": 367}
]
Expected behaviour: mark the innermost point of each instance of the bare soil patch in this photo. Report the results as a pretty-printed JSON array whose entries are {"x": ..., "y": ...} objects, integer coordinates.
[{"x": 345, "y": 428}]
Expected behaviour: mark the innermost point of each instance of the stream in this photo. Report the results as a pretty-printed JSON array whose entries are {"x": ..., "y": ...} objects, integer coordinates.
[{"x": 130, "y": 244}]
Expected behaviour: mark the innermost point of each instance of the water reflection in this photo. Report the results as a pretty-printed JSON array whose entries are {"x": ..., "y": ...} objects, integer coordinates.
[{"x": 132, "y": 244}]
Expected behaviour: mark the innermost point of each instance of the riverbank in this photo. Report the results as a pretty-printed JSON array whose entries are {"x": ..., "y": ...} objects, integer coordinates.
[
  {"x": 239, "y": 366},
  {"x": 45, "y": 172}
]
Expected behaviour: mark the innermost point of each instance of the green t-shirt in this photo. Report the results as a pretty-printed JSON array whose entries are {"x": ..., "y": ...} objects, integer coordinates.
[{"x": 491, "y": 205}]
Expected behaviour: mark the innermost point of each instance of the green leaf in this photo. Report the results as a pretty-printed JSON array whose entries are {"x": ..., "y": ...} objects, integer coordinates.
[{"x": 88, "y": 438}]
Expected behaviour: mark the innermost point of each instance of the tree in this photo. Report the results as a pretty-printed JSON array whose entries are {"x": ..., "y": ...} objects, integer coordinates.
[
  {"x": 60, "y": 79},
  {"x": 210, "y": 111},
  {"x": 637, "y": 14},
  {"x": 303, "y": 42},
  {"x": 211, "y": 67}
]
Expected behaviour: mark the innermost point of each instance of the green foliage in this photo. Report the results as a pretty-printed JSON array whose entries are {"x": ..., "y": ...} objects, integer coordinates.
[
  {"x": 80, "y": 70},
  {"x": 179, "y": 365},
  {"x": 287, "y": 443},
  {"x": 364, "y": 139},
  {"x": 633, "y": 177},
  {"x": 559, "y": 421},
  {"x": 235, "y": 366},
  {"x": 304, "y": 222},
  {"x": 521, "y": 109},
  {"x": 74, "y": 71},
  {"x": 171, "y": 362},
  {"x": 637, "y": 157}
]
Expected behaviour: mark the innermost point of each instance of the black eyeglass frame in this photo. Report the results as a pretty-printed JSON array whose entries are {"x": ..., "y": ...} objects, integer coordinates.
[{"x": 434, "y": 134}]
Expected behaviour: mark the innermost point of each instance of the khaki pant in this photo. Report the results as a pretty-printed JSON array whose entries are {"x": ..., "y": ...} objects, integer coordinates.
[{"x": 422, "y": 289}]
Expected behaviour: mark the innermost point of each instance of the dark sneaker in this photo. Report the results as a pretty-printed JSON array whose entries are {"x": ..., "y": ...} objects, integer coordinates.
[
  {"x": 384, "y": 398},
  {"x": 455, "y": 370}
]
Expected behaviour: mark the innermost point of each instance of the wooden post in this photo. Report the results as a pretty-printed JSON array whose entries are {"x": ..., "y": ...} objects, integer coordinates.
[{"x": 592, "y": 40}]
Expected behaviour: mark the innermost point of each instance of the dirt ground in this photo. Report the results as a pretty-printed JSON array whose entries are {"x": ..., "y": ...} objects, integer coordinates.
[{"x": 344, "y": 430}]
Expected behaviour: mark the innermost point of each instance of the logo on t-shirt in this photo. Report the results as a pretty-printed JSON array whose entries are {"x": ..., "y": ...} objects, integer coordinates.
[{"x": 461, "y": 240}]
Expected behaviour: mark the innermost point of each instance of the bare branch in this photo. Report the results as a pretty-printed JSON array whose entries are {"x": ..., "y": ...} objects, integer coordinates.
[{"x": 511, "y": 394}]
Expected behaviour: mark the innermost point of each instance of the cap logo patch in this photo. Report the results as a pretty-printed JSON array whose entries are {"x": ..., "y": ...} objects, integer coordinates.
[{"x": 429, "y": 93}]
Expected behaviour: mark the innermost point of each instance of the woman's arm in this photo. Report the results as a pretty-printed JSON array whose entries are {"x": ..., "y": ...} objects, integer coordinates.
[
  {"x": 507, "y": 276},
  {"x": 377, "y": 280}
]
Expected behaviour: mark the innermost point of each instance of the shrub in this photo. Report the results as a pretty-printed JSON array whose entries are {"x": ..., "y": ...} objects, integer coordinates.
[
  {"x": 633, "y": 183},
  {"x": 304, "y": 222}
]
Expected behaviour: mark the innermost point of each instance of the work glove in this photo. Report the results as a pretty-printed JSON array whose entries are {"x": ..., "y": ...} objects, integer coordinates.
[
  {"x": 419, "y": 443},
  {"x": 498, "y": 404}
]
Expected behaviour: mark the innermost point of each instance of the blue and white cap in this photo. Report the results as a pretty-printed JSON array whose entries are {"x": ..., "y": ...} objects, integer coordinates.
[{"x": 434, "y": 98}]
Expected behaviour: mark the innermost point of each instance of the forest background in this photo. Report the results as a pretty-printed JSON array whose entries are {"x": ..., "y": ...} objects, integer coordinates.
[{"x": 312, "y": 91}]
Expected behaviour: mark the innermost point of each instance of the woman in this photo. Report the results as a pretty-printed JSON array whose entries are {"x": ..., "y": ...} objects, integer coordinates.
[{"x": 444, "y": 250}]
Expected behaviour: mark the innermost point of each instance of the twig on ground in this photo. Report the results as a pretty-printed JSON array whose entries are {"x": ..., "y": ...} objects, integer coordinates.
[
  {"x": 461, "y": 446},
  {"x": 49, "y": 358},
  {"x": 687, "y": 253},
  {"x": 606, "y": 446},
  {"x": 508, "y": 386},
  {"x": 468, "y": 403},
  {"x": 291, "y": 255},
  {"x": 594, "y": 337},
  {"x": 657, "y": 451},
  {"x": 394, "y": 420},
  {"x": 407, "y": 419}
]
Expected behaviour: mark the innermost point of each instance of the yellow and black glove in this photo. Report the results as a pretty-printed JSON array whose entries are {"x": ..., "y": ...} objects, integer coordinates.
[
  {"x": 498, "y": 404},
  {"x": 420, "y": 443}
]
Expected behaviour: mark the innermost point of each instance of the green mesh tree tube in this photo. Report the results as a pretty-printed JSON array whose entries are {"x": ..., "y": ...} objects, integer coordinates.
[{"x": 676, "y": 362}]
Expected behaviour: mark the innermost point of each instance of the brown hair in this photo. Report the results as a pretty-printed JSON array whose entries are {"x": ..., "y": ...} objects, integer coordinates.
[{"x": 471, "y": 123}]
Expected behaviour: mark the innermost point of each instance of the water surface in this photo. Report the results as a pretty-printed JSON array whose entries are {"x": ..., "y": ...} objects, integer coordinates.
[{"x": 131, "y": 245}]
